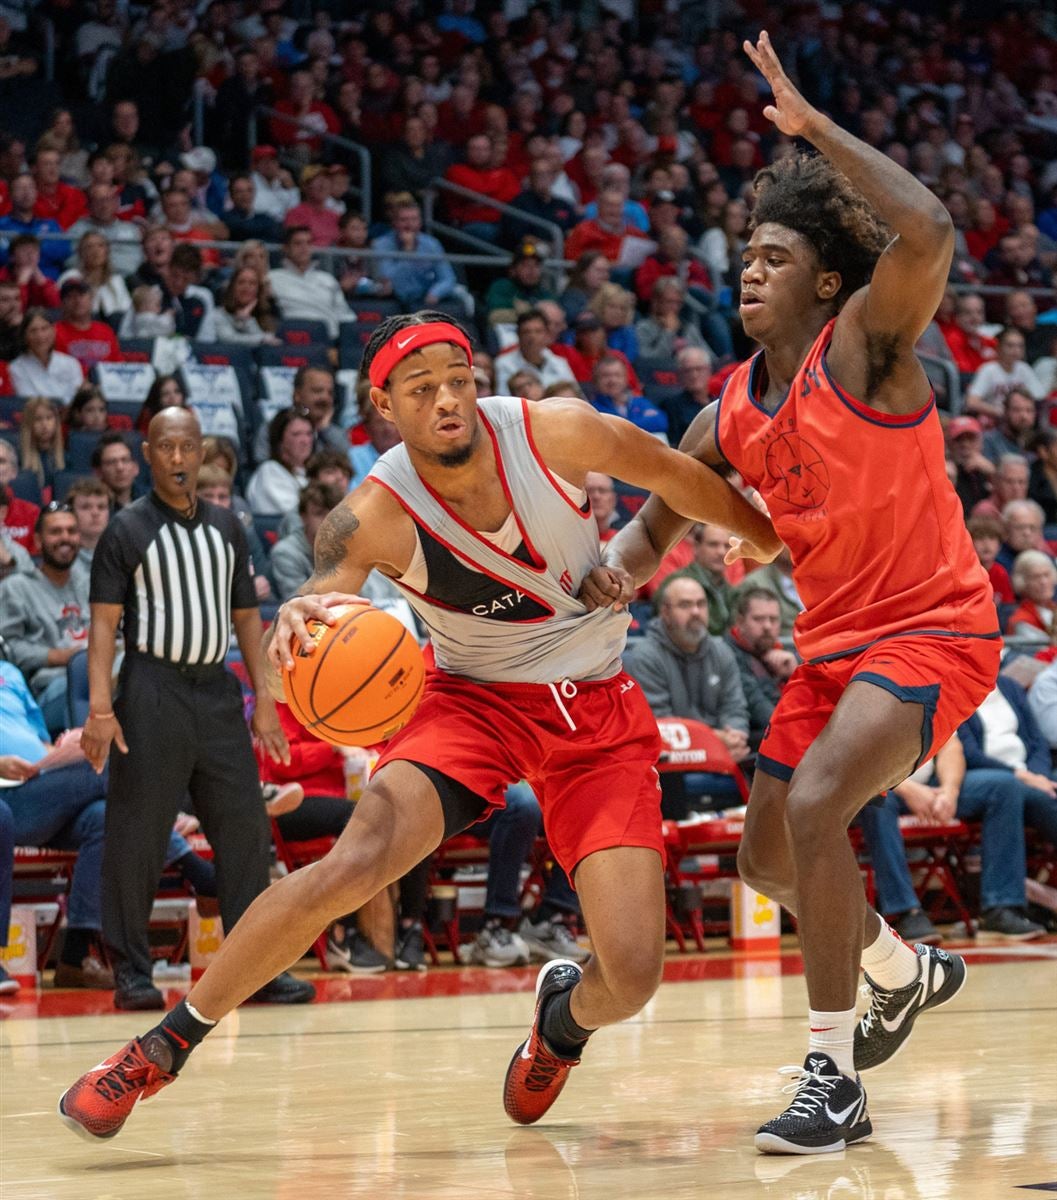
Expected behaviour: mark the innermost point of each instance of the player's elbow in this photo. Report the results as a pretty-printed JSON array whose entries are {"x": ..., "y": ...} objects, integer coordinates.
[{"x": 934, "y": 229}]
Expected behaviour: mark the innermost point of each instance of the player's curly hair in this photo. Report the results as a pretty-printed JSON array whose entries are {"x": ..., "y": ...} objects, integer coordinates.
[
  {"x": 807, "y": 194},
  {"x": 393, "y": 325}
]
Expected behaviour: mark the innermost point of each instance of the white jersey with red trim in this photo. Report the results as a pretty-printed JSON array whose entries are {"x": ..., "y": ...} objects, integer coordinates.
[{"x": 508, "y": 617}]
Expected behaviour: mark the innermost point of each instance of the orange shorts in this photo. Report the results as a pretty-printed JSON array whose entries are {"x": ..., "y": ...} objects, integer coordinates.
[
  {"x": 589, "y": 753},
  {"x": 948, "y": 676}
]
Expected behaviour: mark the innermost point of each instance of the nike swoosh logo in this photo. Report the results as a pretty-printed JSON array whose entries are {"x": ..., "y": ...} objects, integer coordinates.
[
  {"x": 176, "y": 1038},
  {"x": 525, "y": 1051},
  {"x": 405, "y": 342},
  {"x": 901, "y": 1016},
  {"x": 840, "y": 1117}
]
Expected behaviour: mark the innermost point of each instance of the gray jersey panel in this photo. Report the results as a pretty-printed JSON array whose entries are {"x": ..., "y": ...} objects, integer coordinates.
[{"x": 570, "y": 644}]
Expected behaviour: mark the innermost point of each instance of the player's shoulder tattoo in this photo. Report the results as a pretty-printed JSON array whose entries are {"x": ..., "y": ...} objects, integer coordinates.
[{"x": 331, "y": 540}]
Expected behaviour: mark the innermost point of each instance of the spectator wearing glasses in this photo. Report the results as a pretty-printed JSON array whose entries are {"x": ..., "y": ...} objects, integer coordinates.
[
  {"x": 1023, "y": 521},
  {"x": 114, "y": 464},
  {"x": 44, "y": 616}
]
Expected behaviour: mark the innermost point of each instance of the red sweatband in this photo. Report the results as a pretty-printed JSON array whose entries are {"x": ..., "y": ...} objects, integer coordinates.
[{"x": 413, "y": 338}]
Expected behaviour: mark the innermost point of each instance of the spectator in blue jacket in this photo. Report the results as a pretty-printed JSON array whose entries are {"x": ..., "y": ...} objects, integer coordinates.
[
  {"x": 613, "y": 396},
  {"x": 21, "y": 219},
  {"x": 1002, "y": 735},
  {"x": 937, "y": 793},
  {"x": 417, "y": 283}
]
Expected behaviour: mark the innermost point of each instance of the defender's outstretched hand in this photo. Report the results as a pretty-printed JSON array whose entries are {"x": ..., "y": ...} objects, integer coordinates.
[{"x": 790, "y": 111}]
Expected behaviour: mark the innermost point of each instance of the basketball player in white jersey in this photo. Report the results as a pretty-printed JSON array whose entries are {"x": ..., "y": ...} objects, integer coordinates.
[{"x": 481, "y": 519}]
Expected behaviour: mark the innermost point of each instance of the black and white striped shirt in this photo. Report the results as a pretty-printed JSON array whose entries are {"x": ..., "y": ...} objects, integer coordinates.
[{"x": 177, "y": 579}]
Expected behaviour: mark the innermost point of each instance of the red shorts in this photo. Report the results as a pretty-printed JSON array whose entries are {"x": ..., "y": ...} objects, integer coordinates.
[
  {"x": 592, "y": 766},
  {"x": 948, "y": 676}
]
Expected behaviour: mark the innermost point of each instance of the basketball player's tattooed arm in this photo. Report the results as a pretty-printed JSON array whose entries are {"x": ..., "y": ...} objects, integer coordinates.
[
  {"x": 330, "y": 546},
  {"x": 357, "y": 536},
  {"x": 872, "y": 352}
]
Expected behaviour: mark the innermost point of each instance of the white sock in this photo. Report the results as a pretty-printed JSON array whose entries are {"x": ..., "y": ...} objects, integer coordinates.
[
  {"x": 197, "y": 1015},
  {"x": 833, "y": 1033},
  {"x": 889, "y": 961}
]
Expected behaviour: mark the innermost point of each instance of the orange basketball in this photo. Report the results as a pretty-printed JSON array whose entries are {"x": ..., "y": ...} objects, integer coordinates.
[{"x": 363, "y": 681}]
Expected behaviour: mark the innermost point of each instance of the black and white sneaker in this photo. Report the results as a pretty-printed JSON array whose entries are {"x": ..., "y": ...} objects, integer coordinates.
[
  {"x": 883, "y": 1031},
  {"x": 827, "y": 1115}
]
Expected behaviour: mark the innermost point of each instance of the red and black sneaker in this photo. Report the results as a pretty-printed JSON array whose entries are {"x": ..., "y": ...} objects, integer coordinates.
[
  {"x": 536, "y": 1074},
  {"x": 100, "y": 1102}
]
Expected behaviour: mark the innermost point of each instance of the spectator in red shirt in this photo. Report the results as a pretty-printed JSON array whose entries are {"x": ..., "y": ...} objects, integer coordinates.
[
  {"x": 605, "y": 233},
  {"x": 302, "y": 105},
  {"x": 969, "y": 348},
  {"x": 481, "y": 173},
  {"x": 18, "y": 519},
  {"x": 987, "y": 229},
  {"x": 36, "y": 289},
  {"x": 986, "y": 532},
  {"x": 313, "y": 211},
  {"x": 589, "y": 345},
  {"x": 461, "y": 116},
  {"x": 56, "y": 201},
  {"x": 671, "y": 259},
  {"x": 77, "y": 334},
  {"x": 585, "y": 171}
]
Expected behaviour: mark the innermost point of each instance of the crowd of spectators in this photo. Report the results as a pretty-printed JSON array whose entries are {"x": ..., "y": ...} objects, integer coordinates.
[{"x": 602, "y": 174}]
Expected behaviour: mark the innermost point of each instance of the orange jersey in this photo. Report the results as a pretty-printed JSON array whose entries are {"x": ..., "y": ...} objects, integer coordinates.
[{"x": 863, "y": 501}]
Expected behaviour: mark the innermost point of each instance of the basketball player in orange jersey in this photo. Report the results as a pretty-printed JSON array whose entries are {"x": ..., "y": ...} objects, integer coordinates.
[
  {"x": 480, "y": 517},
  {"x": 833, "y": 421}
]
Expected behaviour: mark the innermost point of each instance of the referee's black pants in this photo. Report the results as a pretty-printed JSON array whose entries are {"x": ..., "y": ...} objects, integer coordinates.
[{"x": 185, "y": 732}]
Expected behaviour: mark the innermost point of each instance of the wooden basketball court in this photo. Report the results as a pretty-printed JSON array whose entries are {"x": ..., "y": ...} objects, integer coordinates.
[{"x": 393, "y": 1091}]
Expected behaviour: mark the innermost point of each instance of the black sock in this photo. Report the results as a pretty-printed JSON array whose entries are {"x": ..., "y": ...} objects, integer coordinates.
[
  {"x": 560, "y": 1031},
  {"x": 548, "y": 911},
  {"x": 179, "y": 1033},
  {"x": 198, "y": 872},
  {"x": 75, "y": 946}
]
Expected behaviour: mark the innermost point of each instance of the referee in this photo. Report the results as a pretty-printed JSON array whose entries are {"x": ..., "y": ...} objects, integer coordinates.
[{"x": 172, "y": 572}]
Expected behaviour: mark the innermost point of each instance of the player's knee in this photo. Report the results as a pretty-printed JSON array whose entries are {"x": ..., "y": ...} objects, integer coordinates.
[
  {"x": 812, "y": 808},
  {"x": 348, "y": 875},
  {"x": 633, "y": 976},
  {"x": 764, "y": 873}
]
